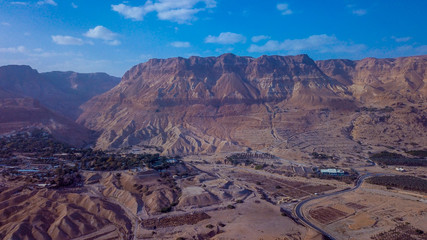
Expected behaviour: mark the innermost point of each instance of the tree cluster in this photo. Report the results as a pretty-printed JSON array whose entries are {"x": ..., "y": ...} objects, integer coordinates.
[
  {"x": 388, "y": 158},
  {"x": 403, "y": 182}
]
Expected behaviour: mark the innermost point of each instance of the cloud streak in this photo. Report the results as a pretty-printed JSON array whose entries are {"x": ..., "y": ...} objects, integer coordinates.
[
  {"x": 259, "y": 38},
  {"x": 317, "y": 43},
  {"x": 360, "y": 12},
  {"x": 182, "y": 11},
  {"x": 284, "y": 8},
  {"x": 179, "y": 44},
  {"x": 47, "y": 2},
  {"x": 19, "y": 49},
  {"x": 401, "y": 39},
  {"x": 67, "y": 40},
  {"x": 19, "y": 3},
  {"x": 226, "y": 38},
  {"x": 357, "y": 11}
]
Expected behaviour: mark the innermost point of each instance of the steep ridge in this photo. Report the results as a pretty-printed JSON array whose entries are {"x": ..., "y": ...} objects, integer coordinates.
[
  {"x": 394, "y": 93},
  {"x": 210, "y": 104},
  {"x": 62, "y": 92},
  {"x": 21, "y": 114},
  {"x": 379, "y": 81}
]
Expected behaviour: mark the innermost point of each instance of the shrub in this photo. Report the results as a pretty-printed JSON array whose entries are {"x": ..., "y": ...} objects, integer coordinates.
[
  {"x": 402, "y": 182},
  {"x": 166, "y": 209},
  {"x": 210, "y": 226}
]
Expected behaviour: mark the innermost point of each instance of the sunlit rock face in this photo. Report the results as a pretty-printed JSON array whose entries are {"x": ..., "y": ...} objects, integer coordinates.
[{"x": 229, "y": 102}]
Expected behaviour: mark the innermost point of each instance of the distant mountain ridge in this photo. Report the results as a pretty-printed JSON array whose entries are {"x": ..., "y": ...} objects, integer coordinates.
[
  {"x": 63, "y": 92},
  {"x": 50, "y": 101},
  {"x": 229, "y": 102}
]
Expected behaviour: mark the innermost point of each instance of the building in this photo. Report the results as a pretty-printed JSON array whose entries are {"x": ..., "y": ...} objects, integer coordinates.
[
  {"x": 332, "y": 171},
  {"x": 172, "y": 161}
]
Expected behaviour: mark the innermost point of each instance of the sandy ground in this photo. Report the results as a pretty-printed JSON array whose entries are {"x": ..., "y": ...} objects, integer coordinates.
[{"x": 371, "y": 210}]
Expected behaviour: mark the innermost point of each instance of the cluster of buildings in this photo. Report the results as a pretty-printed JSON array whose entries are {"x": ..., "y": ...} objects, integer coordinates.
[{"x": 332, "y": 172}]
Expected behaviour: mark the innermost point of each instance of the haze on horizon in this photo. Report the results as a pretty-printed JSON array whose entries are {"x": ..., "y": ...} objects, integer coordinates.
[{"x": 92, "y": 36}]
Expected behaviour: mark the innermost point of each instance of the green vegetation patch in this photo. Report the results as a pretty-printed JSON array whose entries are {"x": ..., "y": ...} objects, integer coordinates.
[
  {"x": 388, "y": 158},
  {"x": 386, "y": 109},
  {"x": 320, "y": 156},
  {"x": 401, "y": 232},
  {"x": 246, "y": 158},
  {"x": 402, "y": 182},
  {"x": 44, "y": 149},
  {"x": 418, "y": 153}
]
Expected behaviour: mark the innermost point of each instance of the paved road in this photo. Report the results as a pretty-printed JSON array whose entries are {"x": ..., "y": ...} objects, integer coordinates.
[{"x": 300, "y": 215}]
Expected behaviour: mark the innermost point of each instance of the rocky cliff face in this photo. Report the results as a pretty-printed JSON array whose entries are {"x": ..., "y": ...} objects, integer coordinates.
[
  {"x": 211, "y": 104},
  {"x": 229, "y": 102},
  {"x": 379, "y": 81},
  {"x": 62, "y": 92}
]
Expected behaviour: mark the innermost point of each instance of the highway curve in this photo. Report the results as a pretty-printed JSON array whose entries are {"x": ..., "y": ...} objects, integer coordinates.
[{"x": 300, "y": 215}]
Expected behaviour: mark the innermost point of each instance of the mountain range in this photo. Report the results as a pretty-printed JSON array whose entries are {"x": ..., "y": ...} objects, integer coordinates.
[
  {"x": 230, "y": 103},
  {"x": 233, "y": 103}
]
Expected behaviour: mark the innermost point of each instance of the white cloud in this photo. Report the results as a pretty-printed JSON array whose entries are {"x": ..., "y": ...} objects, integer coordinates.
[
  {"x": 401, "y": 51},
  {"x": 40, "y": 53},
  {"x": 5, "y": 24},
  {"x": 101, "y": 32},
  {"x": 113, "y": 42},
  {"x": 134, "y": 13},
  {"x": 48, "y": 2},
  {"x": 178, "y": 15},
  {"x": 284, "y": 8},
  {"x": 74, "y": 5},
  {"x": 226, "y": 38},
  {"x": 19, "y": 49},
  {"x": 409, "y": 50},
  {"x": 67, "y": 40},
  {"x": 260, "y": 38},
  {"x": 182, "y": 11},
  {"x": 178, "y": 44},
  {"x": 19, "y": 3},
  {"x": 359, "y": 12},
  {"x": 317, "y": 43},
  {"x": 401, "y": 39}
]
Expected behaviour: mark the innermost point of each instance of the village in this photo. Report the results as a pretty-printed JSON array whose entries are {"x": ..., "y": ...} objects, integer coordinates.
[{"x": 37, "y": 159}]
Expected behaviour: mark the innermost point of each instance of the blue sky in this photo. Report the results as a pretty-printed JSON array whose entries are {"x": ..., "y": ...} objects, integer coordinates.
[{"x": 112, "y": 36}]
